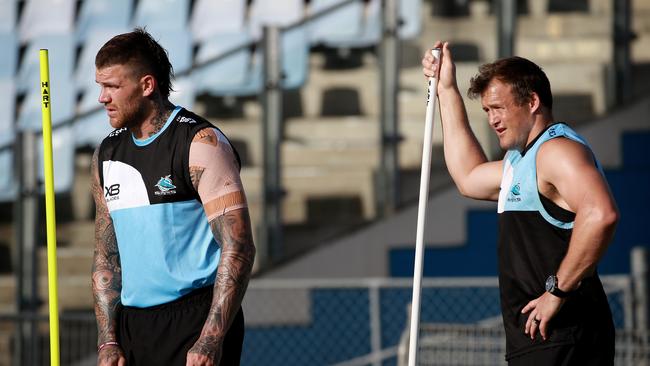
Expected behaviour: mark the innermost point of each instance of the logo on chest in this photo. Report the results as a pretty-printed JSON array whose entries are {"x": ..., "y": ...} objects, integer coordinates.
[
  {"x": 165, "y": 186},
  {"x": 112, "y": 192},
  {"x": 515, "y": 192}
]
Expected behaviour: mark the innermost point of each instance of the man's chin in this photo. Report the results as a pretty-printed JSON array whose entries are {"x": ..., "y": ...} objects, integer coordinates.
[{"x": 115, "y": 123}]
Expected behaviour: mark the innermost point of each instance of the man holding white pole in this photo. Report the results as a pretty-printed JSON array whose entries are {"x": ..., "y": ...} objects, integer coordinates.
[{"x": 556, "y": 212}]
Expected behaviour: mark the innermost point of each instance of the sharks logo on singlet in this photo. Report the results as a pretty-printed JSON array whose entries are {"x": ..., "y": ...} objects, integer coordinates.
[
  {"x": 165, "y": 186},
  {"x": 515, "y": 191}
]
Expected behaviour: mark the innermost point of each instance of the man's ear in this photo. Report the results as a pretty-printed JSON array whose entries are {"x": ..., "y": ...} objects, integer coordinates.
[
  {"x": 535, "y": 104},
  {"x": 148, "y": 84}
]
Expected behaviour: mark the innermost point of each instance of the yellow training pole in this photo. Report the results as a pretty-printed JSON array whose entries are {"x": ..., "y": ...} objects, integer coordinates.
[{"x": 46, "y": 105}]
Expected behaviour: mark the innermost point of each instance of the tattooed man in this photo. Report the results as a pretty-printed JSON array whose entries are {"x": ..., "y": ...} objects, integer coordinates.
[{"x": 173, "y": 245}]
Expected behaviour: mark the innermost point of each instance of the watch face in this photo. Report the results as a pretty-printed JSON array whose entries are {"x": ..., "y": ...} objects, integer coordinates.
[{"x": 550, "y": 283}]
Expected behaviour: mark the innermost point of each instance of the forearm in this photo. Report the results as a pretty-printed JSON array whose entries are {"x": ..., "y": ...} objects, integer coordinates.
[
  {"x": 233, "y": 231},
  {"x": 106, "y": 269},
  {"x": 591, "y": 235},
  {"x": 462, "y": 150},
  {"x": 107, "y": 286}
]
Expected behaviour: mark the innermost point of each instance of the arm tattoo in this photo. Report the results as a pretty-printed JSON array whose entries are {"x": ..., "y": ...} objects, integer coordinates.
[
  {"x": 106, "y": 269},
  {"x": 195, "y": 176},
  {"x": 233, "y": 231}
]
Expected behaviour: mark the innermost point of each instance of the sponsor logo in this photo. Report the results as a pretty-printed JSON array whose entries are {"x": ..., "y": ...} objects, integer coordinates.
[
  {"x": 117, "y": 132},
  {"x": 165, "y": 186},
  {"x": 112, "y": 192},
  {"x": 515, "y": 191},
  {"x": 186, "y": 120}
]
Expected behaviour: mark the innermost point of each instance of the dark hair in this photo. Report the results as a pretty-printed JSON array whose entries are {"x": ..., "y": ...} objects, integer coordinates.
[
  {"x": 523, "y": 76},
  {"x": 140, "y": 51}
]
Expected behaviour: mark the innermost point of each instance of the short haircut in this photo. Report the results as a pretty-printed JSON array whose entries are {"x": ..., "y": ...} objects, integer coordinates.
[
  {"x": 523, "y": 76},
  {"x": 142, "y": 53}
]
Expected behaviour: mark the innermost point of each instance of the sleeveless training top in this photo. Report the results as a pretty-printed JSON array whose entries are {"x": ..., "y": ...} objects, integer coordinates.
[
  {"x": 534, "y": 235},
  {"x": 165, "y": 243}
]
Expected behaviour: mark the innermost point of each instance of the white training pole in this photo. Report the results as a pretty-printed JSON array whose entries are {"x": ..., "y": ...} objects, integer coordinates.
[{"x": 422, "y": 211}]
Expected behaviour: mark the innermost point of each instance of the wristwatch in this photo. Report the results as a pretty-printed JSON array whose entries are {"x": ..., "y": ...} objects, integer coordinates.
[{"x": 551, "y": 287}]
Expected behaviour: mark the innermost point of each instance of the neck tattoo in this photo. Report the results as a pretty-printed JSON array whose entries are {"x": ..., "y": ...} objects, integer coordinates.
[{"x": 160, "y": 119}]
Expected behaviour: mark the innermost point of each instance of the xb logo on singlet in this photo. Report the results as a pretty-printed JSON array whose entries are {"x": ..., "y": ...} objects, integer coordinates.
[
  {"x": 112, "y": 192},
  {"x": 514, "y": 193}
]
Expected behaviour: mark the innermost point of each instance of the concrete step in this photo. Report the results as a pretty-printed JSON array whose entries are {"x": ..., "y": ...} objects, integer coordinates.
[
  {"x": 316, "y": 182},
  {"x": 75, "y": 292},
  {"x": 70, "y": 261},
  {"x": 331, "y": 141}
]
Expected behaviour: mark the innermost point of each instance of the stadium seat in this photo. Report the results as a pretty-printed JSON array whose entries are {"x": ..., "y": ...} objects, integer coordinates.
[
  {"x": 63, "y": 104},
  {"x": 211, "y": 17},
  {"x": 281, "y": 13},
  {"x": 295, "y": 57},
  {"x": 411, "y": 18},
  {"x": 7, "y": 106},
  {"x": 344, "y": 23},
  {"x": 84, "y": 75},
  {"x": 9, "y": 59},
  {"x": 183, "y": 93},
  {"x": 7, "y": 117},
  {"x": 370, "y": 33},
  {"x": 92, "y": 126},
  {"x": 8, "y": 16},
  {"x": 97, "y": 15},
  {"x": 229, "y": 75},
  {"x": 8, "y": 184},
  {"x": 61, "y": 51},
  {"x": 46, "y": 17},
  {"x": 162, "y": 15},
  {"x": 178, "y": 44}
]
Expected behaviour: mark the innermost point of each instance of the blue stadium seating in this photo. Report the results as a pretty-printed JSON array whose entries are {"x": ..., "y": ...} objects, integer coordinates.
[
  {"x": 183, "y": 93},
  {"x": 410, "y": 14},
  {"x": 230, "y": 75},
  {"x": 61, "y": 50},
  {"x": 84, "y": 74},
  {"x": 210, "y": 18},
  {"x": 7, "y": 116},
  {"x": 7, "y": 105},
  {"x": 162, "y": 15},
  {"x": 9, "y": 59},
  {"x": 90, "y": 129},
  {"x": 178, "y": 44},
  {"x": 97, "y": 15},
  {"x": 370, "y": 30},
  {"x": 344, "y": 23},
  {"x": 294, "y": 47},
  {"x": 46, "y": 17},
  {"x": 8, "y": 16},
  {"x": 280, "y": 13}
]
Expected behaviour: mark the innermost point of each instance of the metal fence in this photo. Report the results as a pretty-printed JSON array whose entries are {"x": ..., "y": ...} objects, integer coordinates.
[{"x": 357, "y": 322}]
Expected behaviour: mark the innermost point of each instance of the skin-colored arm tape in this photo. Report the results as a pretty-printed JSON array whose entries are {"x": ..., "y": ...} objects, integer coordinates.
[{"x": 220, "y": 186}]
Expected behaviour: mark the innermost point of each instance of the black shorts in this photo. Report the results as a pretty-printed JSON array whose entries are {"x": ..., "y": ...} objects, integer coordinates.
[
  {"x": 162, "y": 334},
  {"x": 593, "y": 349}
]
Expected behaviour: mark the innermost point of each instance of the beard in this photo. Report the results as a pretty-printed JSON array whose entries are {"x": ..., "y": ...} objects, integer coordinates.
[{"x": 130, "y": 115}]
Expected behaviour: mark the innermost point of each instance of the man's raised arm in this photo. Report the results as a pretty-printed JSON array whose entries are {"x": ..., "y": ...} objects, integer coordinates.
[{"x": 474, "y": 176}]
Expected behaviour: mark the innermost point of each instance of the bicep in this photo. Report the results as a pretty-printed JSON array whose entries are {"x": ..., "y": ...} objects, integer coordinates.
[
  {"x": 483, "y": 181},
  {"x": 214, "y": 171},
  {"x": 570, "y": 168}
]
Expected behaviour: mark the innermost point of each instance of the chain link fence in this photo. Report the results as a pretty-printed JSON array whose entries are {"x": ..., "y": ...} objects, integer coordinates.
[{"x": 356, "y": 322}]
